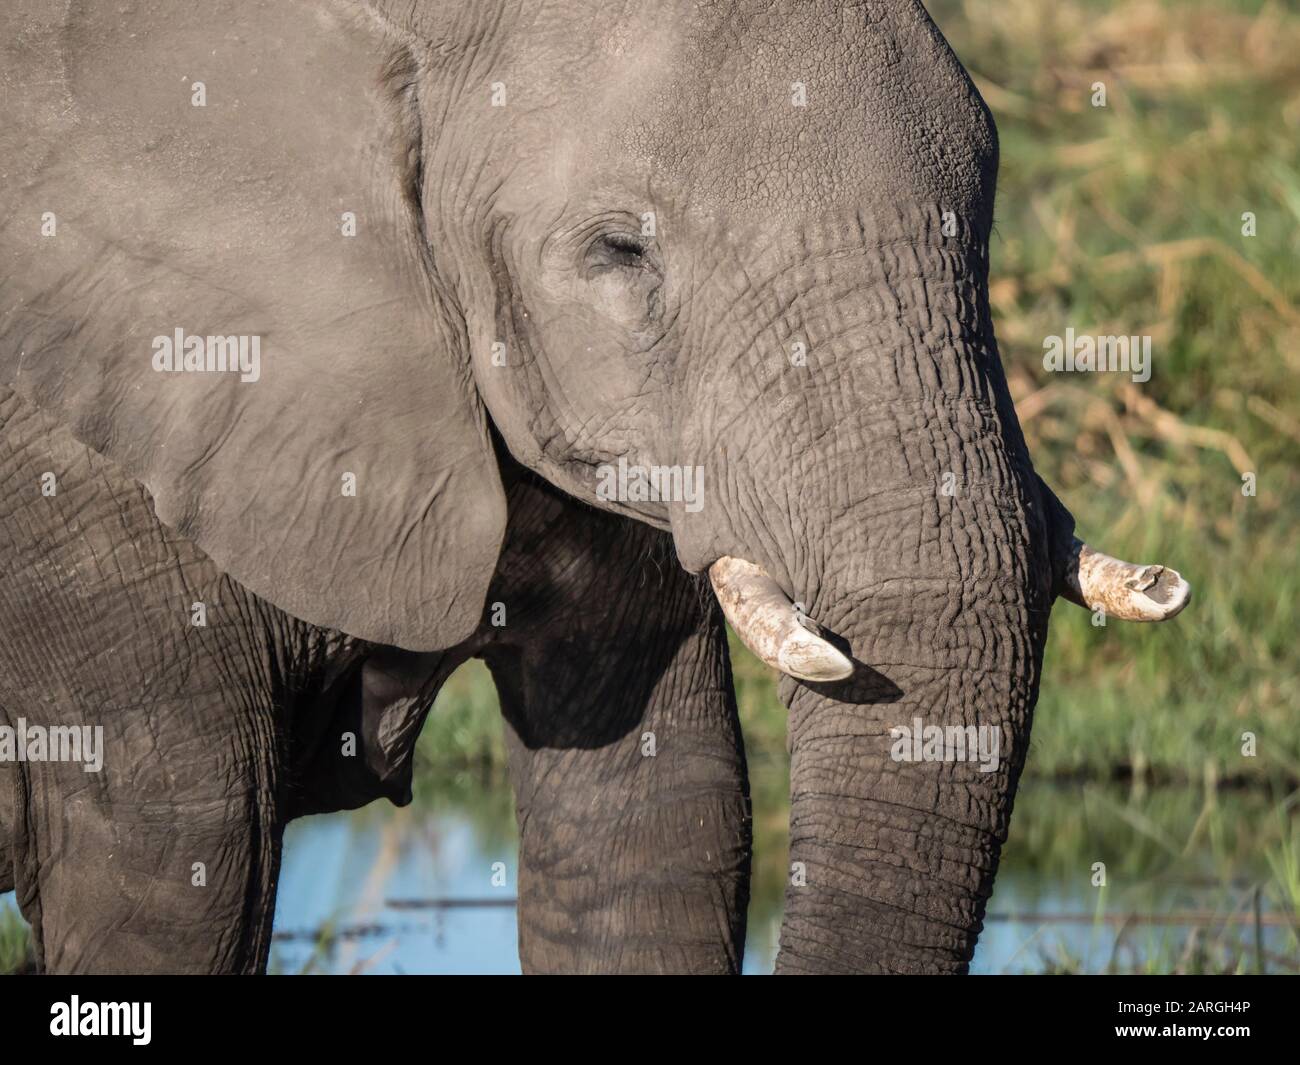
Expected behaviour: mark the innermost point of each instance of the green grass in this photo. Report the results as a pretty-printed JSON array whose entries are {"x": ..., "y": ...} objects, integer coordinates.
[
  {"x": 1127, "y": 219},
  {"x": 1197, "y": 879},
  {"x": 15, "y": 941},
  {"x": 463, "y": 731}
]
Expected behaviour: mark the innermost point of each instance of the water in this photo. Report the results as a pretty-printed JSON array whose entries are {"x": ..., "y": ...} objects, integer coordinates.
[
  {"x": 430, "y": 888},
  {"x": 339, "y": 872},
  {"x": 345, "y": 872},
  {"x": 1165, "y": 853}
]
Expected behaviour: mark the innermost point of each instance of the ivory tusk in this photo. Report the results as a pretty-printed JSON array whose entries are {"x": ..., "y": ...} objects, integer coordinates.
[
  {"x": 1121, "y": 589},
  {"x": 767, "y": 623}
]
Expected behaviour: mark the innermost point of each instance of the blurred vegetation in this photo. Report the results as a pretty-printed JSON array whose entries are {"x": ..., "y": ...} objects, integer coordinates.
[
  {"x": 15, "y": 942},
  {"x": 1127, "y": 219}
]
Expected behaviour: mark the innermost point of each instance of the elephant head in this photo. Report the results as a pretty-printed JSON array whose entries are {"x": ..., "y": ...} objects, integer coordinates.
[{"x": 740, "y": 244}]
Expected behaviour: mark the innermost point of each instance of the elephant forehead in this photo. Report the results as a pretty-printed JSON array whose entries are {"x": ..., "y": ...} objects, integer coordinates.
[{"x": 776, "y": 107}]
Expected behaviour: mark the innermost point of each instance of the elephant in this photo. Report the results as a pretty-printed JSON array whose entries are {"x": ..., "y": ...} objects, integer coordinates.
[{"x": 342, "y": 342}]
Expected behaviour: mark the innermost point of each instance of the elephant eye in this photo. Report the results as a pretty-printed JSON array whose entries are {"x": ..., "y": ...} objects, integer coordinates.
[
  {"x": 623, "y": 276},
  {"x": 617, "y": 251}
]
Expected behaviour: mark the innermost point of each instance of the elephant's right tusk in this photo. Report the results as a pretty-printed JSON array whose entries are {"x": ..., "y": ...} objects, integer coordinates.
[
  {"x": 1121, "y": 589},
  {"x": 767, "y": 623}
]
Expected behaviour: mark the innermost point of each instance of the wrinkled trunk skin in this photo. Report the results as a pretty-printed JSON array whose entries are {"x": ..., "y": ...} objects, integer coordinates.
[
  {"x": 886, "y": 485},
  {"x": 896, "y": 858}
]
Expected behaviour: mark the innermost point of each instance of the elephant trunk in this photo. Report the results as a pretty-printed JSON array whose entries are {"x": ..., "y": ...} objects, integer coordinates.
[
  {"x": 900, "y": 798},
  {"x": 876, "y": 531},
  {"x": 890, "y": 865},
  {"x": 903, "y": 775},
  {"x": 902, "y": 860}
]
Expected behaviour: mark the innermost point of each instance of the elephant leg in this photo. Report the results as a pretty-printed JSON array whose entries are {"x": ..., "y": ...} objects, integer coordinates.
[
  {"x": 165, "y": 867},
  {"x": 625, "y": 749},
  {"x": 148, "y": 840},
  {"x": 156, "y": 849}
]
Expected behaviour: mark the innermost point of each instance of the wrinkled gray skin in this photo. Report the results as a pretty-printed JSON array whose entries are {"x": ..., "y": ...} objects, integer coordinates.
[{"x": 519, "y": 225}]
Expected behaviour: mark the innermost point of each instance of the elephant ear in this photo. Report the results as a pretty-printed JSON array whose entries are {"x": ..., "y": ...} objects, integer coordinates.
[{"x": 250, "y": 170}]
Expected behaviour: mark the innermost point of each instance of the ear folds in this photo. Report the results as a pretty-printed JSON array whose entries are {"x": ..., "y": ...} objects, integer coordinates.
[{"x": 266, "y": 218}]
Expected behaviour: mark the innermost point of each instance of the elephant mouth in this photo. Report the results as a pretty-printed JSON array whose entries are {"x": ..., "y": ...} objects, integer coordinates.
[{"x": 778, "y": 633}]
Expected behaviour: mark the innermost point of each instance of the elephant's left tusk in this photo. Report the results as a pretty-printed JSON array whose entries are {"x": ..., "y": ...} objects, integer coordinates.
[
  {"x": 767, "y": 623},
  {"x": 1121, "y": 589}
]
